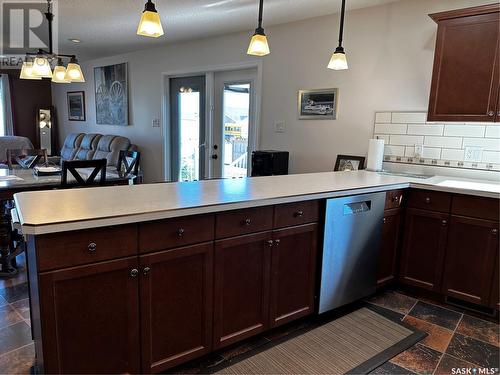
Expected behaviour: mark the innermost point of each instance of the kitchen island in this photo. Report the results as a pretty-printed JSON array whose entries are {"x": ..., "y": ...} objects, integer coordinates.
[{"x": 143, "y": 278}]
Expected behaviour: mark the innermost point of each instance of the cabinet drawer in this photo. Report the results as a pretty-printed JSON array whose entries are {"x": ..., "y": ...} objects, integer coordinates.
[
  {"x": 235, "y": 223},
  {"x": 68, "y": 249},
  {"x": 479, "y": 207},
  {"x": 429, "y": 200},
  {"x": 393, "y": 199},
  {"x": 287, "y": 215},
  {"x": 176, "y": 232}
]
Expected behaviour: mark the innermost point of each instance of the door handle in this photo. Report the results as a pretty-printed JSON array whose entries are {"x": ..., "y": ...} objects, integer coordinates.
[{"x": 215, "y": 157}]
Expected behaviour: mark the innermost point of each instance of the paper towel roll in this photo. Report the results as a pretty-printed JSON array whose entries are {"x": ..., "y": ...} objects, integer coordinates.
[{"x": 375, "y": 155}]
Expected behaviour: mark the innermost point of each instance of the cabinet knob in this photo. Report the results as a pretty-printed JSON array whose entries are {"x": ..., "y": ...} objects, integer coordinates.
[
  {"x": 427, "y": 200},
  {"x": 277, "y": 242},
  {"x": 444, "y": 223},
  {"x": 491, "y": 113},
  {"x": 134, "y": 272},
  {"x": 494, "y": 232},
  {"x": 92, "y": 247},
  {"x": 270, "y": 243},
  {"x": 395, "y": 198},
  {"x": 248, "y": 221},
  {"x": 498, "y": 114},
  {"x": 299, "y": 214},
  {"x": 180, "y": 232},
  {"x": 146, "y": 271},
  {"x": 384, "y": 220}
]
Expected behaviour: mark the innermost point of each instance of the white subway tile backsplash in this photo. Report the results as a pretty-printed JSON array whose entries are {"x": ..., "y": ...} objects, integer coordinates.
[
  {"x": 410, "y": 151},
  {"x": 394, "y": 150},
  {"x": 464, "y": 131},
  {"x": 391, "y": 128},
  {"x": 425, "y": 129},
  {"x": 409, "y": 117},
  {"x": 448, "y": 142},
  {"x": 491, "y": 157},
  {"x": 406, "y": 140},
  {"x": 492, "y": 131},
  {"x": 432, "y": 153},
  {"x": 488, "y": 144},
  {"x": 383, "y": 117},
  {"x": 452, "y": 154},
  {"x": 385, "y": 137}
]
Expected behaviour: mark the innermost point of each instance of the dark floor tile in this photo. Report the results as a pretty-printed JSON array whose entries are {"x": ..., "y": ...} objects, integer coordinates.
[
  {"x": 436, "y": 315},
  {"x": 8, "y": 316},
  {"x": 200, "y": 366},
  {"x": 475, "y": 351},
  {"x": 244, "y": 347},
  {"x": 18, "y": 361},
  {"x": 287, "y": 330},
  {"x": 480, "y": 329},
  {"x": 438, "y": 337},
  {"x": 15, "y": 292},
  {"x": 389, "y": 368},
  {"x": 448, "y": 363},
  {"x": 394, "y": 301},
  {"x": 419, "y": 359},
  {"x": 391, "y": 314},
  {"x": 14, "y": 336},
  {"x": 3, "y": 302},
  {"x": 23, "y": 307}
]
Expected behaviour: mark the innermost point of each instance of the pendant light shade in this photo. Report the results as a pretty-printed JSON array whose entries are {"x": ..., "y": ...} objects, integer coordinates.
[
  {"x": 59, "y": 75},
  {"x": 150, "y": 23},
  {"x": 41, "y": 67},
  {"x": 74, "y": 72},
  {"x": 339, "y": 59},
  {"x": 258, "y": 44},
  {"x": 27, "y": 71}
]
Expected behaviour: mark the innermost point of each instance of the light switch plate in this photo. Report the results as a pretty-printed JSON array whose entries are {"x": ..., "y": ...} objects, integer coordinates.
[
  {"x": 473, "y": 154},
  {"x": 279, "y": 126}
]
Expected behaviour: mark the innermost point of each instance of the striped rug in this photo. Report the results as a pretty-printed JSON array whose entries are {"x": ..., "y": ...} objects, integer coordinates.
[{"x": 355, "y": 343}]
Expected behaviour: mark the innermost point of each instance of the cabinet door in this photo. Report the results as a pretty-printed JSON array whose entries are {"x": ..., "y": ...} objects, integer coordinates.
[
  {"x": 424, "y": 247},
  {"x": 176, "y": 306},
  {"x": 470, "y": 259},
  {"x": 495, "y": 293},
  {"x": 389, "y": 246},
  {"x": 293, "y": 273},
  {"x": 90, "y": 318},
  {"x": 241, "y": 295},
  {"x": 465, "y": 76}
]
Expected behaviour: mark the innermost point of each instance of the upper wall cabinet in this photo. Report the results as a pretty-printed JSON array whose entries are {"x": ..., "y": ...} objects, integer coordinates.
[{"x": 466, "y": 79}]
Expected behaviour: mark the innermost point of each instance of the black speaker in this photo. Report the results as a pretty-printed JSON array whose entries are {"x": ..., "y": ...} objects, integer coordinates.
[{"x": 269, "y": 163}]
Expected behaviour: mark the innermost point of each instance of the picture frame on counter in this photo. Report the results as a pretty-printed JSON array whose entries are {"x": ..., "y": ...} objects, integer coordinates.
[
  {"x": 76, "y": 105},
  {"x": 318, "y": 104},
  {"x": 349, "y": 163}
]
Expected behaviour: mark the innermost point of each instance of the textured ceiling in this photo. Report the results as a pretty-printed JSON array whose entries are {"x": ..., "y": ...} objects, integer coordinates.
[{"x": 107, "y": 27}]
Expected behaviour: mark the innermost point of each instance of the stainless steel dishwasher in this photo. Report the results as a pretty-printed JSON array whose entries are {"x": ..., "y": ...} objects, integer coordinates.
[{"x": 353, "y": 227}]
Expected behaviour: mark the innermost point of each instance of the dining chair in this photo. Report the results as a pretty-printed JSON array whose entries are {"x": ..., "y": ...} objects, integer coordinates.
[
  {"x": 128, "y": 162},
  {"x": 26, "y": 158},
  {"x": 83, "y": 180}
]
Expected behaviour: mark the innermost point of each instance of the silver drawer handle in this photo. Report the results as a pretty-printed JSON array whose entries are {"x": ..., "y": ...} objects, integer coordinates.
[
  {"x": 270, "y": 243},
  {"x": 92, "y": 247},
  {"x": 277, "y": 242},
  {"x": 146, "y": 271},
  {"x": 248, "y": 221},
  {"x": 491, "y": 113},
  {"x": 134, "y": 272},
  {"x": 444, "y": 223},
  {"x": 427, "y": 200},
  {"x": 299, "y": 214},
  {"x": 494, "y": 232},
  {"x": 180, "y": 232}
]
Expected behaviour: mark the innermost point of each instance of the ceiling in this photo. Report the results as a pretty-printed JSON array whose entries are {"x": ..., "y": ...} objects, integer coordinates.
[{"x": 107, "y": 27}]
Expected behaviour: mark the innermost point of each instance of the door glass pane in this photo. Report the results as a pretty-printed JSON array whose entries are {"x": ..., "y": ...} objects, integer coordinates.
[
  {"x": 189, "y": 137},
  {"x": 236, "y": 116}
]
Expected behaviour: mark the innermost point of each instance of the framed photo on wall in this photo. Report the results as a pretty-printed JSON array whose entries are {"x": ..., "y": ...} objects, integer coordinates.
[
  {"x": 76, "y": 105},
  {"x": 349, "y": 163},
  {"x": 111, "y": 94},
  {"x": 320, "y": 104}
]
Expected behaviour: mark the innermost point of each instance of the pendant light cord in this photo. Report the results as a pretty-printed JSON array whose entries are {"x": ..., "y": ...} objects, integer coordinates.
[
  {"x": 50, "y": 17},
  {"x": 261, "y": 9},
  {"x": 341, "y": 31}
]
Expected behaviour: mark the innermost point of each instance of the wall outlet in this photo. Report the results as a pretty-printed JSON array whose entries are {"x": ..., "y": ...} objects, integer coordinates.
[
  {"x": 419, "y": 151},
  {"x": 156, "y": 123},
  {"x": 279, "y": 126},
  {"x": 473, "y": 154}
]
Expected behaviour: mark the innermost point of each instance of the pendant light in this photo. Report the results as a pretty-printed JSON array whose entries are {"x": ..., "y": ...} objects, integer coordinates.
[
  {"x": 41, "y": 67},
  {"x": 74, "y": 72},
  {"x": 27, "y": 71},
  {"x": 59, "y": 75},
  {"x": 339, "y": 60},
  {"x": 150, "y": 24},
  {"x": 258, "y": 44}
]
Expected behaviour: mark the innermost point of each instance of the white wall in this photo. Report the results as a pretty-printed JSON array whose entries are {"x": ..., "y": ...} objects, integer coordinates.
[{"x": 390, "y": 52}]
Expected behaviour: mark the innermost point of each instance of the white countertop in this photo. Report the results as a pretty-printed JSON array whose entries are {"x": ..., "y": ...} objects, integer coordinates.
[{"x": 52, "y": 211}]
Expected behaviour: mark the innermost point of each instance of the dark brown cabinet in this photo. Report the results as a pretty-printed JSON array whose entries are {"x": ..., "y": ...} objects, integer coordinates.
[
  {"x": 470, "y": 259},
  {"x": 466, "y": 80},
  {"x": 495, "y": 294},
  {"x": 91, "y": 318},
  {"x": 424, "y": 248},
  {"x": 389, "y": 246},
  {"x": 241, "y": 287},
  {"x": 176, "y": 306},
  {"x": 293, "y": 273}
]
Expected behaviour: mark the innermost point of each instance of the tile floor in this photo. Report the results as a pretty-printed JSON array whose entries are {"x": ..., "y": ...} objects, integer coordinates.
[{"x": 454, "y": 339}]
